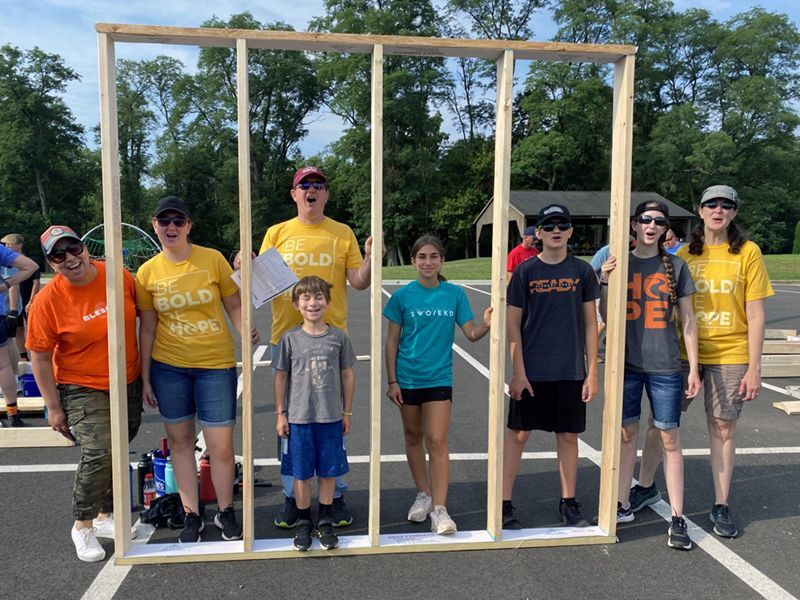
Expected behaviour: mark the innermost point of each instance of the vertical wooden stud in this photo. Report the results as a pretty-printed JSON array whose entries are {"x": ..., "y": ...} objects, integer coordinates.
[
  {"x": 497, "y": 340},
  {"x": 246, "y": 245},
  {"x": 112, "y": 230},
  {"x": 621, "y": 153},
  {"x": 376, "y": 297}
]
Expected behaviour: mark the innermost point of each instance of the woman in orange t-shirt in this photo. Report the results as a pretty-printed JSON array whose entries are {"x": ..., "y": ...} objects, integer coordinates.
[{"x": 68, "y": 341}]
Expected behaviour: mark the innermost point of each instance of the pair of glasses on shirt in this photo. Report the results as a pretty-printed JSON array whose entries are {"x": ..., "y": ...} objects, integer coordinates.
[
  {"x": 60, "y": 255},
  {"x": 317, "y": 185},
  {"x": 712, "y": 204},
  {"x": 550, "y": 227},
  {"x": 647, "y": 219},
  {"x": 177, "y": 221}
]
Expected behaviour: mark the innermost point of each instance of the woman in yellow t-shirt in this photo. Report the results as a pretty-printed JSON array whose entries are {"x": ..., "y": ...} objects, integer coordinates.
[{"x": 188, "y": 362}]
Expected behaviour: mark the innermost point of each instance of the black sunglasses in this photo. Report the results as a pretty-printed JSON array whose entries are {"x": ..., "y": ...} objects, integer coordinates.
[
  {"x": 712, "y": 204},
  {"x": 178, "y": 221},
  {"x": 550, "y": 227},
  {"x": 317, "y": 185},
  {"x": 647, "y": 219},
  {"x": 60, "y": 255}
]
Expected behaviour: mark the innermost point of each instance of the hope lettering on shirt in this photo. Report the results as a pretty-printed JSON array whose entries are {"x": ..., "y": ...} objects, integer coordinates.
[
  {"x": 175, "y": 297},
  {"x": 545, "y": 286},
  {"x": 646, "y": 298},
  {"x": 713, "y": 290}
]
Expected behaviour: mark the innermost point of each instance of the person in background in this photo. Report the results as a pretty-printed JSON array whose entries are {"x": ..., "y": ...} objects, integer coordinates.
[
  {"x": 24, "y": 269},
  {"x": 672, "y": 243},
  {"x": 523, "y": 251},
  {"x": 68, "y": 342},
  {"x": 732, "y": 284},
  {"x": 20, "y": 296}
]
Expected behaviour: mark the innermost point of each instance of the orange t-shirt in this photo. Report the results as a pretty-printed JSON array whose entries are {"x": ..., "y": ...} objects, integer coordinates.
[{"x": 72, "y": 322}]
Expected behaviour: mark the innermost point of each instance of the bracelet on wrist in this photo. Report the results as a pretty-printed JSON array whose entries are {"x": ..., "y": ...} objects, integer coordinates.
[
  {"x": 603, "y": 282},
  {"x": 347, "y": 414},
  {"x": 391, "y": 382},
  {"x": 281, "y": 412}
]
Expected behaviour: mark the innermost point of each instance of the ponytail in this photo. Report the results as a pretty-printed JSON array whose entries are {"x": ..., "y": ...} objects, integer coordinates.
[
  {"x": 670, "y": 271},
  {"x": 736, "y": 239}
]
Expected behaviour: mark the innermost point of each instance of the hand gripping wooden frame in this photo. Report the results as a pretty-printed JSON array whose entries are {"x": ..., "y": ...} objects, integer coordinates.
[{"x": 505, "y": 52}]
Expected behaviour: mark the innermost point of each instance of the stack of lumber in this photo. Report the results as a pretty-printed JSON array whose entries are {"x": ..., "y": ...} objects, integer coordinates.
[{"x": 781, "y": 355}]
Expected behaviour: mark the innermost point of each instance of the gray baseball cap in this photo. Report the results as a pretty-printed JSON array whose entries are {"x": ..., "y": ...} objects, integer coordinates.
[{"x": 724, "y": 192}]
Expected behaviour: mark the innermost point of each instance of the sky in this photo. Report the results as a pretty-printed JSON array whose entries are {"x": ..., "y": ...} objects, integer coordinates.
[{"x": 66, "y": 27}]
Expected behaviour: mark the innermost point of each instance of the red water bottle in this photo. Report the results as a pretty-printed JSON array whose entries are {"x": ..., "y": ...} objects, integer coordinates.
[
  {"x": 149, "y": 490},
  {"x": 207, "y": 492}
]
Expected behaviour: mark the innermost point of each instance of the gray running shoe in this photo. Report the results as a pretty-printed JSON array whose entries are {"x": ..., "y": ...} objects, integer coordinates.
[
  {"x": 642, "y": 496},
  {"x": 724, "y": 526},
  {"x": 677, "y": 536},
  {"x": 624, "y": 515}
]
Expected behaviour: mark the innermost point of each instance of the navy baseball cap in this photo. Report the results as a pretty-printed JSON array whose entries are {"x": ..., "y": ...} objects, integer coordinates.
[{"x": 553, "y": 211}]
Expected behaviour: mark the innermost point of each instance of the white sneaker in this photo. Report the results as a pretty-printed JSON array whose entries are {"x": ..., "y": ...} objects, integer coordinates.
[
  {"x": 105, "y": 528},
  {"x": 420, "y": 509},
  {"x": 86, "y": 545},
  {"x": 441, "y": 523}
]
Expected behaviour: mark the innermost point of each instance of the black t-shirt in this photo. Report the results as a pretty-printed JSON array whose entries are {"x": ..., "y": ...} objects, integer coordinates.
[
  {"x": 551, "y": 298},
  {"x": 26, "y": 288}
]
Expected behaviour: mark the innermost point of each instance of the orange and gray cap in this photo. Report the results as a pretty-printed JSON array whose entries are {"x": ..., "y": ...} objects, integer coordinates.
[{"x": 54, "y": 233}]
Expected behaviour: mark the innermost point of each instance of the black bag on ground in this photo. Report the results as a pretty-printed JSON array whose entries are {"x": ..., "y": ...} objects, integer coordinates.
[{"x": 164, "y": 511}]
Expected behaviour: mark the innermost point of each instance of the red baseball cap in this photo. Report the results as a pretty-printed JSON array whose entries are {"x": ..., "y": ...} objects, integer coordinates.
[
  {"x": 54, "y": 233},
  {"x": 301, "y": 174}
]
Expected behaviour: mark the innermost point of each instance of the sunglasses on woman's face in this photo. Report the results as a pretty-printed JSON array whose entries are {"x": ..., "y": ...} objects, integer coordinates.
[
  {"x": 550, "y": 227},
  {"x": 177, "y": 221},
  {"x": 712, "y": 204},
  {"x": 647, "y": 219},
  {"x": 60, "y": 255}
]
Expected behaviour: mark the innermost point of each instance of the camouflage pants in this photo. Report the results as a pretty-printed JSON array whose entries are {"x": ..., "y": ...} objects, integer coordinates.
[{"x": 89, "y": 416}]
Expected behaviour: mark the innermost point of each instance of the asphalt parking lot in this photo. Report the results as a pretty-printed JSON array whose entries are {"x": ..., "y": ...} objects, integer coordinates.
[{"x": 39, "y": 560}]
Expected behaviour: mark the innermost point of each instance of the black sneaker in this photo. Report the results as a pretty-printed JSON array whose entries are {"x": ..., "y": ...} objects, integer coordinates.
[
  {"x": 192, "y": 527},
  {"x": 15, "y": 420},
  {"x": 302, "y": 537},
  {"x": 678, "y": 537},
  {"x": 724, "y": 526},
  {"x": 287, "y": 518},
  {"x": 569, "y": 511},
  {"x": 624, "y": 515},
  {"x": 341, "y": 516},
  {"x": 510, "y": 520},
  {"x": 642, "y": 496},
  {"x": 226, "y": 521},
  {"x": 327, "y": 539}
]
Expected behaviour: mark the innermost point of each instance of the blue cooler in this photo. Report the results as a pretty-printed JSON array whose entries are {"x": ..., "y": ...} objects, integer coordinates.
[{"x": 29, "y": 387}]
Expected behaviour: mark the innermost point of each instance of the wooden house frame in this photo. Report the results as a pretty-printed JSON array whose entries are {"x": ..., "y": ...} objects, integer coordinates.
[{"x": 505, "y": 53}]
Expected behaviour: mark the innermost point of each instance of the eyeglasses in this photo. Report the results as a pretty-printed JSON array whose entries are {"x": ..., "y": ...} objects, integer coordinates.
[
  {"x": 178, "y": 221},
  {"x": 60, "y": 255},
  {"x": 550, "y": 227},
  {"x": 317, "y": 185},
  {"x": 712, "y": 204},
  {"x": 647, "y": 219}
]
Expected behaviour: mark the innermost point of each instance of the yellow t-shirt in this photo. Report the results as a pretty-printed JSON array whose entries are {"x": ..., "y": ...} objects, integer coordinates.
[
  {"x": 188, "y": 296},
  {"x": 725, "y": 282},
  {"x": 326, "y": 250}
]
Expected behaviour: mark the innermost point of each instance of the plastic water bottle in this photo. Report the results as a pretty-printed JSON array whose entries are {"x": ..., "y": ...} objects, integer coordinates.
[
  {"x": 144, "y": 467},
  {"x": 207, "y": 492},
  {"x": 149, "y": 490}
]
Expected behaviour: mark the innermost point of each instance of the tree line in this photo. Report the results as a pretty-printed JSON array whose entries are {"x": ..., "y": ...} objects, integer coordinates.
[{"x": 715, "y": 102}]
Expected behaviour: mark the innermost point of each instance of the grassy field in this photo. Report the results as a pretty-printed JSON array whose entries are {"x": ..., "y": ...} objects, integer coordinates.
[{"x": 781, "y": 267}]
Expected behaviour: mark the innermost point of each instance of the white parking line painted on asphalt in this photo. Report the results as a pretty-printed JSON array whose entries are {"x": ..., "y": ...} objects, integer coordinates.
[
  {"x": 775, "y": 388},
  {"x": 469, "y": 287},
  {"x": 786, "y": 291}
]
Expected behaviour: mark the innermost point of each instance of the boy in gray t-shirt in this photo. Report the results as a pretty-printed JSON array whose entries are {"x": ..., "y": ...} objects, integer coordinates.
[{"x": 315, "y": 362}]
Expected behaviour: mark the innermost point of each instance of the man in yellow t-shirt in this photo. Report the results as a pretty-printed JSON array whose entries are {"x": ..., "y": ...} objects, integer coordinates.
[{"x": 313, "y": 244}]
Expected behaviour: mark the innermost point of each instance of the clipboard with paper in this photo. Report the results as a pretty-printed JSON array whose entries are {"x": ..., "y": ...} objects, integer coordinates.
[{"x": 270, "y": 277}]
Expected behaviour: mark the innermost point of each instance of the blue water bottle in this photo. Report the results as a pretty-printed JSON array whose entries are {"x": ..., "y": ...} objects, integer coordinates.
[{"x": 169, "y": 478}]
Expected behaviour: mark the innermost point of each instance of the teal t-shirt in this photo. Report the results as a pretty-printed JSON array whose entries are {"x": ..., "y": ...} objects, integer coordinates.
[{"x": 428, "y": 318}]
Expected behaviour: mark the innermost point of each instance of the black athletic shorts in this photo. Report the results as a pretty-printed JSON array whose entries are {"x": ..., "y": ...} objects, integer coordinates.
[
  {"x": 555, "y": 406},
  {"x": 419, "y": 396}
]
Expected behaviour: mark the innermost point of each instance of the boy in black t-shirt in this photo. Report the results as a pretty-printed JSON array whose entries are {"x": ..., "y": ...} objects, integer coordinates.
[{"x": 552, "y": 333}]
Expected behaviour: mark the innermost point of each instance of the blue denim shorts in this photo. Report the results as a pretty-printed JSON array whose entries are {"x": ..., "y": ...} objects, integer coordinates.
[
  {"x": 183, "y": 392},
  {"x": 665, "y": 393},
  {"x": 314, "y": 448}
]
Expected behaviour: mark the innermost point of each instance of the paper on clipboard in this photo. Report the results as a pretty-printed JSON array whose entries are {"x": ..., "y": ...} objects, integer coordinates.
[{"x": 270, "y": 277}]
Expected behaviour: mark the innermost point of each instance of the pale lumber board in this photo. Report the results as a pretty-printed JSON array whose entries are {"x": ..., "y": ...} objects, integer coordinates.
[
  {"x": 376, "y": 295},
  {"x": 364, "y": 44},
  {"x": 779, "y": 347},
  {"x": 779, "y": 334},
  {"x": 32, "y": 437},
  {"x": 621, "y": 154},
  {"x": 790, "y": 407},
  {"x": 497, "y": 339},
  {"x": 26, "y": 404}
]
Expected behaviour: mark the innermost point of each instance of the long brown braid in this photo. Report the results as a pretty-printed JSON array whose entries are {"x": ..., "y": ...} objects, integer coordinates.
[{"x": 669, "y": 269}]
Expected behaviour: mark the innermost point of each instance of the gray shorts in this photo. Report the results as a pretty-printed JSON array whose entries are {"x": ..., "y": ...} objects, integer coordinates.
[{"x": 720, "y": 389}]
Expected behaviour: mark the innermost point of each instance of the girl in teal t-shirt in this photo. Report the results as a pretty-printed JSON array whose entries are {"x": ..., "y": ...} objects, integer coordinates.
[{"x": 419, "y": 364}]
